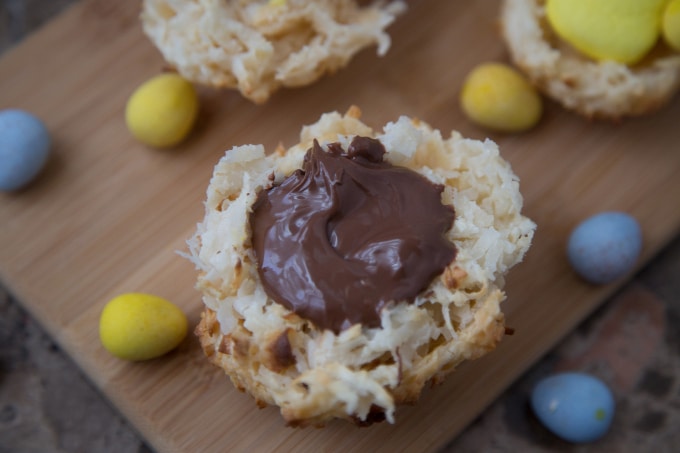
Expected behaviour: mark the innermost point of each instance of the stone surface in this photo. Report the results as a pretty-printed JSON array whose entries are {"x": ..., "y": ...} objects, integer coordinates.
[
  {"x": 46, "y": 403},
  {"x": 20, "y": 17},
  {"x": 632, "y": 343}
]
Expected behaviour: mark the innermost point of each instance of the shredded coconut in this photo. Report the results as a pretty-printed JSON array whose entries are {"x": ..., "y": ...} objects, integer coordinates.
[{"x": 360, "y": 370}]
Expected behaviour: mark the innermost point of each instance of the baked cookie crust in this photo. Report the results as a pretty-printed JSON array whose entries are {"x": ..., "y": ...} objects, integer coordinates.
[
  {"x": 593, "y": 89},
  {"x": 259, "y": 46},
  {"x": 360, "y": 374}
]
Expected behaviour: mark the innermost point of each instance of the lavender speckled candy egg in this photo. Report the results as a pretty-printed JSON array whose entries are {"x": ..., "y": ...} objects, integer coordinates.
[
  {"x": 605, "y": 246},
  {"x": 577, "y": 407},
  {"x": 24, "y": 148}
]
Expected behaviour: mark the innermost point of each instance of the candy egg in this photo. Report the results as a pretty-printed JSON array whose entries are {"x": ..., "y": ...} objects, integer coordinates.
[
  {"x": 605, "y": 246},
  {"x": 618, "y": 30},
  {"x": 162, "y": 111},
  {"x": 137, "y": 326},
  {"x": 671, "y": 24},
  {"x": 24, "y": 148},
  {"x": 498, "y": 97},
  {"x": 575, "y": 406}
]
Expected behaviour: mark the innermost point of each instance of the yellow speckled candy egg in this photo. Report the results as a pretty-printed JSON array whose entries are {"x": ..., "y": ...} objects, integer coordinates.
[
  {"x": 618, "y": 30},
  {"x": 671, "y": 24},
  {"x": 162, "y": 111},
  {"x": 498, "y": 97},
  {"x": 137, "y": 326}
]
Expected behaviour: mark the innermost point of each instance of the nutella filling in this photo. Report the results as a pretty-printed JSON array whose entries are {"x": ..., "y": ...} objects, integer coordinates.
[{"x": 348, "y": 234}]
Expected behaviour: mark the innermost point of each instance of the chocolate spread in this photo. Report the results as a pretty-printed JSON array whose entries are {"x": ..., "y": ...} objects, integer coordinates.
[{"x": 348, "y": 233}]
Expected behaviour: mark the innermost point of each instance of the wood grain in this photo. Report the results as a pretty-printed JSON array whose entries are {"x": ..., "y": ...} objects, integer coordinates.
[{"x": 108, "y": 215}]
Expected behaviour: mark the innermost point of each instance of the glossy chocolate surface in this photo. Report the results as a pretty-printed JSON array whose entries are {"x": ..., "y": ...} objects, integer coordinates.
[{"x": 349, "y": 233}]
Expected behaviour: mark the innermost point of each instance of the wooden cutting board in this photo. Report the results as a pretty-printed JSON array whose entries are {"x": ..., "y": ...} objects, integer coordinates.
[{"x": 108, "y": 214}]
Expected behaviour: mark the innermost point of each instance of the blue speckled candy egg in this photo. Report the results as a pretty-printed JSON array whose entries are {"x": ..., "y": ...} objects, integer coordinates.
[
  {"x": 24, "y": 148},
  {"x": 575, "y": 406},
  {"x": 605, "y": 246}
]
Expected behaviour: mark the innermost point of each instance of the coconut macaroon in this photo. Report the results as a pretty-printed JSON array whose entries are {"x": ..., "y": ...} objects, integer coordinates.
[
  {"x": 258, "y": 46},
  {"x": 359, "y": 373},
  {"x": 605, "y": 89}
]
